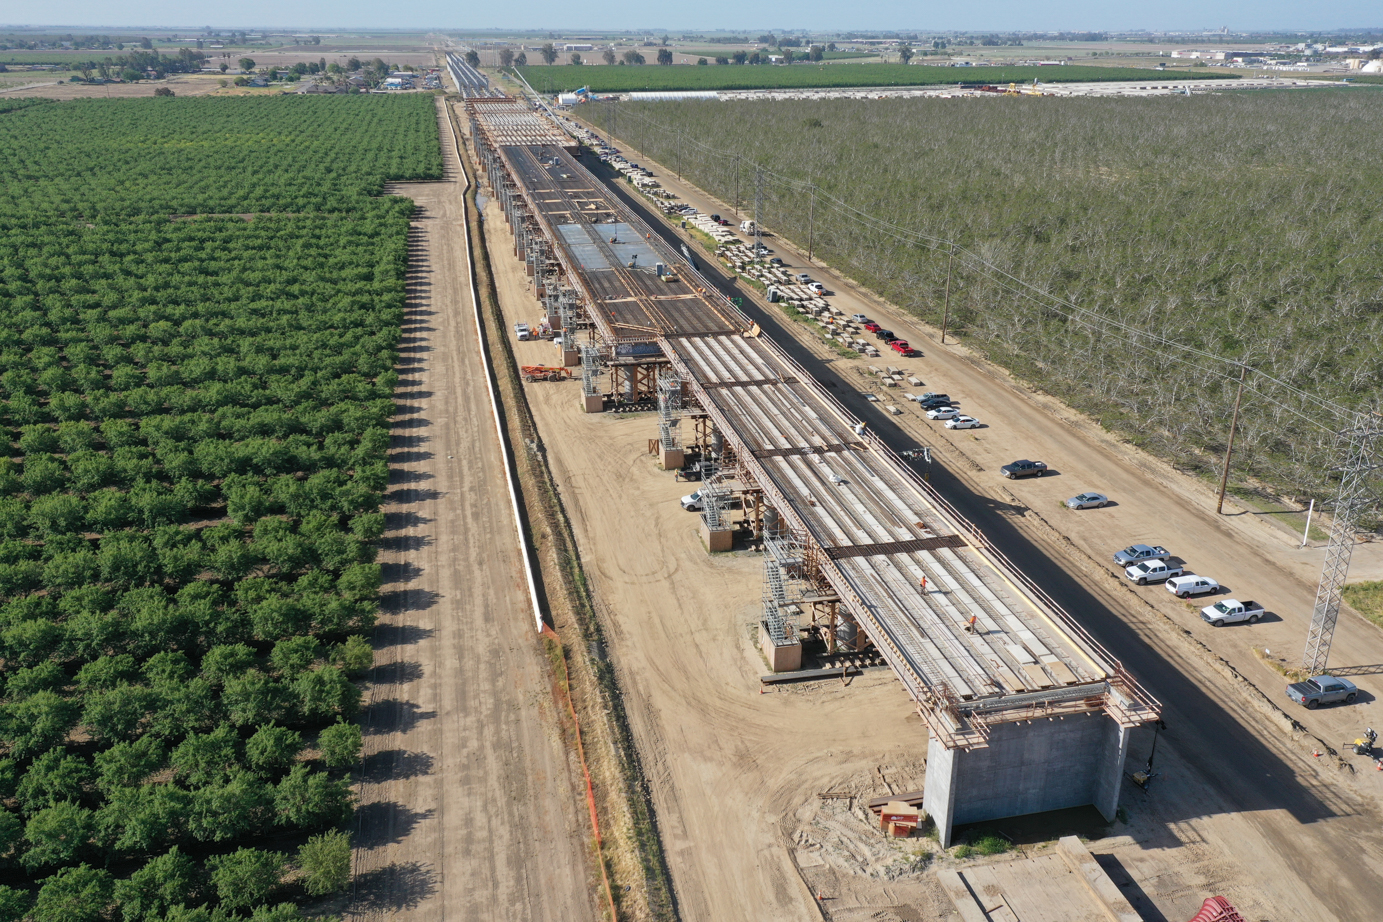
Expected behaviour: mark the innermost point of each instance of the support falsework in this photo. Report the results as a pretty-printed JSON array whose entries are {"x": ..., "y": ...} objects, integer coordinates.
[
  {"x": 997, "y": 670},
  {"x": 669, "y": 420},
  {"x": 784, "y": 587}
]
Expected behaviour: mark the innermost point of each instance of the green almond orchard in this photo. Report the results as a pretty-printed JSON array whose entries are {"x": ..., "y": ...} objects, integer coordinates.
[{"x": 200, "y": 307}]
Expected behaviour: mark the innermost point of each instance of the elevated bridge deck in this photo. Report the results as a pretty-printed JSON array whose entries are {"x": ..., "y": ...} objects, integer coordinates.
[{"x": 976, "y": 642}]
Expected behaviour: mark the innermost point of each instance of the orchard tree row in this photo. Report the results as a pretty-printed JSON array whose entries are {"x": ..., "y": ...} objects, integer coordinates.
[
  {"x": 199, "y": 319},
  {"x": 276, "y": 154},
  {"x": 1228, "y": 223}
]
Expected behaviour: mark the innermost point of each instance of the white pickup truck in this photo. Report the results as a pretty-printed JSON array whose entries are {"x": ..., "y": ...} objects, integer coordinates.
[
  {"x": 1231, "y": 611},
  {"x": 1152, "y": 571},
  {"x": 1137, "y": 553}
]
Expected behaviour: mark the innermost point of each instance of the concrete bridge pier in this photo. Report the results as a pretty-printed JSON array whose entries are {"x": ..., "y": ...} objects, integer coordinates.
[{"x": 1029, "y": 766}]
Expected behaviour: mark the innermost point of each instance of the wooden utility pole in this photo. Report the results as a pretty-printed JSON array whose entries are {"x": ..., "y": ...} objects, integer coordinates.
[
  {"x": 737, "y": 185},
  {"x": 946, "y": 311},
  {"x": 1229, "y": 449}
]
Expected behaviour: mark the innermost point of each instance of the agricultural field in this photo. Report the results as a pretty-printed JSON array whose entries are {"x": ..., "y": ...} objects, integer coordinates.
[
  {"x": 199, "y": 318},
  {"x": 565, "y": 77},
  {"x": 1223, "y": 222}
]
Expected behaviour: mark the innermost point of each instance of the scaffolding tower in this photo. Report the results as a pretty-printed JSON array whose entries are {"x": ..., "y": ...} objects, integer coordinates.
[
  {"x": 713, "y": 500},
  {"x": 784, "y": 587},
  {"x": 669, "y": 410},
  {"x": 590, "y": 369}
]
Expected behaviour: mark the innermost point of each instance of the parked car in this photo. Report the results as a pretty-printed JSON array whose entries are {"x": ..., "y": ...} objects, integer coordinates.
[
  {"x": 1322, "y": 689},
  {"x": 858, "y": 318},
  {"x": 715, "y": 218},
  {"x": 886, "y": 335},
  {"x": 802, "y": 278},
  {"x": 1136, "y": 553},
  {"x": 523, "y": 332},
  {"x": 775, "y": 261},
  {"x": 1183, "y": 587},
  {"x": 943, "y": 412},
  {"x": 1152, "y": 571},
  {"x": 872, "y": 327},
  {"x": 963, "y": 422},
  {"x": 1231, "y": 611},
  {"x": 931, "y": 403},
  {"x": 901, "y": 347},
  {"x": 1087, "y": 501},
  {"x": 1023, "y": 468},
  {"x": 817, "y": 287}
]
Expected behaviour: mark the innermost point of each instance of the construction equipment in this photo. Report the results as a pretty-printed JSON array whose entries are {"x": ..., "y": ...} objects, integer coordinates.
[
  {"x": 1363, "y": 746},
  {"x": 533, "y": 373}
]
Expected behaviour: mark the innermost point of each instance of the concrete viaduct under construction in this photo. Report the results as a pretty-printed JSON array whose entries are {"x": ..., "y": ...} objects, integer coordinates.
[{"x": 1026, "y": 711}]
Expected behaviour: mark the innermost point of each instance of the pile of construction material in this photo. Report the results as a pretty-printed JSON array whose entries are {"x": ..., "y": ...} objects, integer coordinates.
[{"x": 714, "y": 230}]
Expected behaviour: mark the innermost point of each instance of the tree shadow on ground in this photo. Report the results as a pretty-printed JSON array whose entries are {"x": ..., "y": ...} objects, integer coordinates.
[
  {"x": 410, "y": 495},
  {"x": 397, "y": 521},
  {"x": 401, "y": 476},
  {"x": 402, "y": 571},
  {"x": 409, "y": 457},
  {"x": 401, "y": 635},
  {"x": 395, "y": 764},
  {"x": 399, "y": 601},
  {"x": 393, "y": 716},
  {"x": 386, "y": 822},
  {"x": 401, "y": 672},
  {"x": 405, "y": 542},
  {"x": 393, "y": 888}
]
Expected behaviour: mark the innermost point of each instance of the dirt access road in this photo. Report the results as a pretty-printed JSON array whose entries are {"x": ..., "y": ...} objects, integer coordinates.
[
  {"x": 1235, "y": 784},
  {"x": 467, "y": 804}
]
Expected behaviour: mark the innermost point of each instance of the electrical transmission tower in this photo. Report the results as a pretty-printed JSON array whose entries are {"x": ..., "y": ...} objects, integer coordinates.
[{"x": 1352, "y": 498}]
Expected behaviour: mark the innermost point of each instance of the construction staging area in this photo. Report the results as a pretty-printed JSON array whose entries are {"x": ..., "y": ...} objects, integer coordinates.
[{"x": 1026, "y": 712}]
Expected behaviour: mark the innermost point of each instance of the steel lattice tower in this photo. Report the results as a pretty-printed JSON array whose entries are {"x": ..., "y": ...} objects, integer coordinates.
[{"x": 1349, "y": 503}]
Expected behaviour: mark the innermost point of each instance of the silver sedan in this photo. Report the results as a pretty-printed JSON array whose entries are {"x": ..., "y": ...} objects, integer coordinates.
[{"x": 1087, "y": 501}]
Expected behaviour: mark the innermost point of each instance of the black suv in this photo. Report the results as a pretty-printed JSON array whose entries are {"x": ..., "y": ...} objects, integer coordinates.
[{"x": 886, "y": 335}]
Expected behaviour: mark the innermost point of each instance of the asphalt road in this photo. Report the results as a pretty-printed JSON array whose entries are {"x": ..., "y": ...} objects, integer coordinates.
[{"x": 1246, "y": 775}]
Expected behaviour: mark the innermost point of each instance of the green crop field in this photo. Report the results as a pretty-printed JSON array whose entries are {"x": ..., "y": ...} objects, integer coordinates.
[
  {"x": 622, "y": 79},
  {"x": 200, "y": 306},
  {"x": 1224, "y": 222}
]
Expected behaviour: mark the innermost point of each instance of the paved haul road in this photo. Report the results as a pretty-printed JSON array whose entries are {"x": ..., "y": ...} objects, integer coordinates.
[
  {"x": 1247, "y": 767},
  {"x": 467, "y": 805}
]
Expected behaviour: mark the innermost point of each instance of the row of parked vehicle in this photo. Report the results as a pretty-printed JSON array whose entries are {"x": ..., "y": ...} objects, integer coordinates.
[{"x": 1144, "y": 563}]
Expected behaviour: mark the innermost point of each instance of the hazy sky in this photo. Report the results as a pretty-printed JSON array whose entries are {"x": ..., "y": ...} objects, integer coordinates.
[{"x": 638, "y": 15}]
